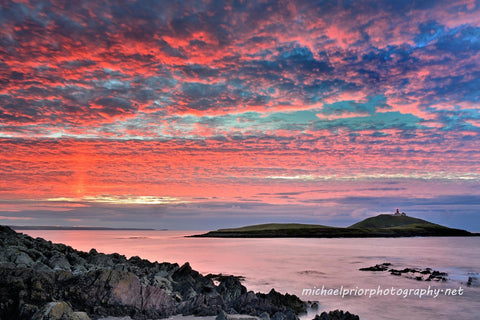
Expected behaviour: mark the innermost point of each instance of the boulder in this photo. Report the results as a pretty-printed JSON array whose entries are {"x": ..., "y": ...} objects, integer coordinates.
[
  {"x": 81, "y": 315},
  {"x": 58, "y": 261},
  {"x": 230, "y": 289},
  {"x": 58, "y": 310},
  {"x": 116, "y": 292}
]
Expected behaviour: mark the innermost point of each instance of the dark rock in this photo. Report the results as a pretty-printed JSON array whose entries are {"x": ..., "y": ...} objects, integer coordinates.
[
  {"x": 264, "y": 316},
  {"x": 59, "y": 262},
  {"x": 221, "y": 316},
  {"x": 411, "y": 273},
  {"x": 58, "y": 311},
  {"x": 230, "y": 289},
  {"x": 378, "y": 267},
  {"x": 117, "y": 293},
  {"x": 439, "y": 274},
  {"x": 336, "y": 315},
  {"x": 202, "y": 305},
  {"x": 81, "y": 315},
  {"x": 473, "y": 280},
  {"x": 278, "y": 316},
  {"x": 7, "y": 231},
  {"x": 290, "y": 315},
  {"x": 27, "y": 311},
  {"x": 287, "y": 300}
]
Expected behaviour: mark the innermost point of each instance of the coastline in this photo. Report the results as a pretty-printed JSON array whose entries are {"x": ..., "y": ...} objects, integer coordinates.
[
  {"x": 42, "y": 276},
  {"x": 79, "y": 228}
]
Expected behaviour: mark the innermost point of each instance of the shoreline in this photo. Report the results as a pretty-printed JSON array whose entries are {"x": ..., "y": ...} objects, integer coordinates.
[
  {"x": 43, "y": 276},
  {"x": 80, "y": 228}
]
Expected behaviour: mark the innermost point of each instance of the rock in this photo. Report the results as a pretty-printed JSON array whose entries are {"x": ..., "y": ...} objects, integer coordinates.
[
  {"x": 27, "y": 311},
  {"x": 7, "y": 231},
  {"x": 202, "y": 305},
  {"x": 162, "y": 282},
  {"x": 377, "y": 267},
  {"x": 24, "y": 286},
  {"x": 230, "y": 289},
  {"x": 412, "y": 273},
  {"x": 222, "y": 315},
  {"x": 78, "y": 269},
  {"x": 142, "y": 263},
  {"x": 312, "y": 304},
  {"x": 21, "y": 259},
  {"x": 59, "y": 262},
  {"x": 336, "y": 315},
  {"x": 58, "y": 311},
  {"x": 290, "y": 315},
  {"x": 100, "y": 260},
  {"x": 264, "y": 316},
  {"x": 18, "y": 255},
  {"x": 81, "y": 315},
  {"x": 287, "y": 300},
  {"x": 278, "y": 316},
  {"x": 240, "y": 317},
  {"x": 41, "y": 267},
  {"x": 426, "y": 271},
  {"x": 116, "y": 292}
]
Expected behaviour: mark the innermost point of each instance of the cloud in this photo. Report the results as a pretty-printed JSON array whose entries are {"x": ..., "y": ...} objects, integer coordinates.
[
  {"x": 296, "y": 68},
  {"x": 210, "y": 214}
]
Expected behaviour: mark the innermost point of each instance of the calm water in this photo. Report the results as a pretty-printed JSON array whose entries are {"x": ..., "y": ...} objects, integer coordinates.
[{"x": 291, "y": 265}]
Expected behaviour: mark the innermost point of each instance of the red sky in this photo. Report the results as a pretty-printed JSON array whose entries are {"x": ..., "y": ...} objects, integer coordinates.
[{"x": 201, "y": 115}]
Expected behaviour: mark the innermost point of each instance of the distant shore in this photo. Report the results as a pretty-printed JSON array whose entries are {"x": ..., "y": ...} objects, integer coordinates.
[
  {"x": 79, "y": 228},
  {"x": 381, "y": 226}
]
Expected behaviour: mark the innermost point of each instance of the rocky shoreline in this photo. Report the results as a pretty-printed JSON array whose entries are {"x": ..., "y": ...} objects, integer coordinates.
[{"x": 40, "y": 280}]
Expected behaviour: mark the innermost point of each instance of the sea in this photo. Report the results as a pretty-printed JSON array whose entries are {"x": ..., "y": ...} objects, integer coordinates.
[{"x": 322, "y": 270}]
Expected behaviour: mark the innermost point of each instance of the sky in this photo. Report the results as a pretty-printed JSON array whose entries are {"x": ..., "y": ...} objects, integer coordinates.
[{"x": 206, "y": 114}]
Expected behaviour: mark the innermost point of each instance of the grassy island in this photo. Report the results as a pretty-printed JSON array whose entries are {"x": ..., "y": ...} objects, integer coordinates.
[{"x": 383, "y": 225}]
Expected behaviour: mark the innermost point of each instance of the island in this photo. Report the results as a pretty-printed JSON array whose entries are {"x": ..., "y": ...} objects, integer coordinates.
[{"x": 383, "y": 225}]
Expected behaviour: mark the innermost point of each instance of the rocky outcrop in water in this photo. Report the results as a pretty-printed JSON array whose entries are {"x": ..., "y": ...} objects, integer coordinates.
[
  {"x": 426, "y": 274},
  {"x": 41, "y": 280},
  {"x": 336, "y": 315},
  {"x": 377, "y": 267}
]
